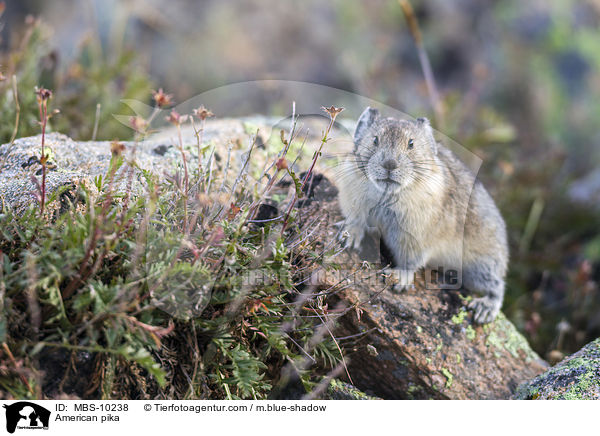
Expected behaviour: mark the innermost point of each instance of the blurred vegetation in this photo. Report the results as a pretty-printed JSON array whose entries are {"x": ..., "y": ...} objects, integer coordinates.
[
  {"x": 92, "y": 78},
  {"x": 519, "y": 83}
]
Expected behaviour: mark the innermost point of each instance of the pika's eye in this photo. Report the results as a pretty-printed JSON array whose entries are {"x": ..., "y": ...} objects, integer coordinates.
[
  {"x": 410, "y": 143},
  {"x": 376, "y": 141}
]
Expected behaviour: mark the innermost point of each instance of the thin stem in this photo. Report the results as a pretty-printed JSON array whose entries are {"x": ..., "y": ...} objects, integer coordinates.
[
  {"x": 415, "y": 31},
  {"x": 18, "y": 107},
  {"x": 96, "y": 121},
  {"x": 44, "y": 120},
  {"x": 16, "y": 365},
  {"x": 185, "y": 181},
  {"x": 200, "y": 141},
  {"x": 199, "y": 134}
]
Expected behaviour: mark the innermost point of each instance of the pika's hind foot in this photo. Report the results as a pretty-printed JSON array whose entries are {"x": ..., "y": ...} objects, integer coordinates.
[
  {"x": 398, "y": 287},
  {"x": 485, "y": 309}
]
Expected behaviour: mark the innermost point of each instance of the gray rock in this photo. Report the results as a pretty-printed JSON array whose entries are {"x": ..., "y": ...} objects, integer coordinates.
[
  {"x": 75, "y": 164},
  {"x": 577, "y": 377}
]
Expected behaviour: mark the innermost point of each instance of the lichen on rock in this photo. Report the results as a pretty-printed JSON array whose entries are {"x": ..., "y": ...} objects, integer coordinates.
[
  {"x": 577, "y": 377},
  {"x": 339, "y": 390}
]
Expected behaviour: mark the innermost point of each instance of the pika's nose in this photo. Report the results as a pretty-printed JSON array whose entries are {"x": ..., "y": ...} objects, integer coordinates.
[{"x": 389, "y": 164}]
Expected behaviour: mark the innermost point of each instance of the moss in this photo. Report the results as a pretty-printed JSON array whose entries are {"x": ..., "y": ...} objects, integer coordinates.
[
  {"x": 413, "y": 390},
  {"x": 460, "y": 316},
  {"x": 587, "y": 382},
  {"x": 339, "y": 390},
  {"x": 470, "y": 332},
  {"x": 457, "y": 358},
  {"x": 449, "y": 377},
  {"x": 466, "y": 299},
  {"x": 502, "y": 335}
]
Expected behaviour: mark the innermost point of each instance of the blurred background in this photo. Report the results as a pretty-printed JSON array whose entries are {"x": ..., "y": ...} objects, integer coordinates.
[{"x": 519, "y": 85}]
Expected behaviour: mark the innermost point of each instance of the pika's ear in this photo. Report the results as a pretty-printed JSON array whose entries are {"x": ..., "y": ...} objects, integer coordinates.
[
  {"x": 366, "y": 120},
  {"x": 424, "y": 124}
]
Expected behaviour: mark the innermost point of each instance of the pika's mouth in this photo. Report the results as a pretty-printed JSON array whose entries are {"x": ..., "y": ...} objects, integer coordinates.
[{"x": 389, "y": 181}]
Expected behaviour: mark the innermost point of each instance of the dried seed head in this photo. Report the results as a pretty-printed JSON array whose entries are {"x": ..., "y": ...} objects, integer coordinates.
[
  {"x": 233, "y": 211},
  {"x": 175, "y": 118},
  {"x": 333, "y": 111},
  {"x": 161, "y": 99},
  {"x": 138, "y": 124},
  {"x": 117, "y": 148},
  {"x": 43, "y": 94},
  {"x": 202, "y": 113},
  {"x": 281, "y": 164},
  {"x": 282, "y": 137}
]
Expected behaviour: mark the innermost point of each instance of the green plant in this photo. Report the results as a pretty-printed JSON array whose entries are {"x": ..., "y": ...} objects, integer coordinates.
[{"x": 151, "y": 289}]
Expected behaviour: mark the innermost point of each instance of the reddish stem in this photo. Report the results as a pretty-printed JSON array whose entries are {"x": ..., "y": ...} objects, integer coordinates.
[
  {"x": 43, "y": 119},
  {"x": 200, "y": 141},
  {"x": 186, "y": 180}
]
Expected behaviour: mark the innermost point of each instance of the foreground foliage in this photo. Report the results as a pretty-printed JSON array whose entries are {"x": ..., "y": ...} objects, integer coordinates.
[{"x": 180, "y": 278}]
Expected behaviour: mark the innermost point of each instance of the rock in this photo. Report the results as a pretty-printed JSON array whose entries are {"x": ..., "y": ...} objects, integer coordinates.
[
  {"x": 75, "y": 164},
  {"x": 71, "y": 165},
  {"x": 575, "y": 378},
  {"x": 420, "y": 343},
  {"x": 423, "y": 344}
]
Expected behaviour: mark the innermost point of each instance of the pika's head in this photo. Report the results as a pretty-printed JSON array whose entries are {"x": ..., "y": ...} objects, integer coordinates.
[{"x": 394, "y": 154}]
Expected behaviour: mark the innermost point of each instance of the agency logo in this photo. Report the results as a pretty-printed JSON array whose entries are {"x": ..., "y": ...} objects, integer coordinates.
[{"x": 26, "y": 415}]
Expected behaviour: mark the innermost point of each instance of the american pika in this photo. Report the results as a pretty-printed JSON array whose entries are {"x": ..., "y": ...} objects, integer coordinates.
[{"x": 427, "y": 206}]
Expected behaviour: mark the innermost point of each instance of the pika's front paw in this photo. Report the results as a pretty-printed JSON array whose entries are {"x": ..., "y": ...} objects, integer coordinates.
[
  {"x": 352, "y": 237},
  {"x": 485, "y": 309}
]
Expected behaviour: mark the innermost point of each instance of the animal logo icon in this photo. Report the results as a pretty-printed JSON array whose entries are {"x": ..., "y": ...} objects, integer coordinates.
[{"x": 26, "y": 415}]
